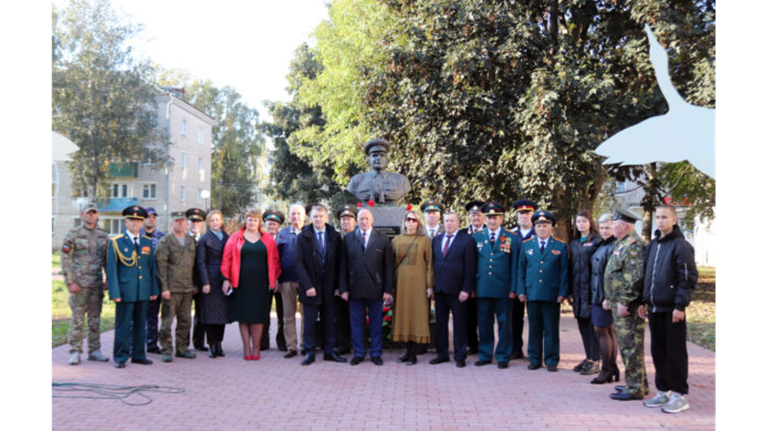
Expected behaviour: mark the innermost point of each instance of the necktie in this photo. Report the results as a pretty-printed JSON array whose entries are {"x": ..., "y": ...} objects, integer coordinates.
[
  {"x": 447, "y": 244},
  {"x": 543, "y": 246},
  {"x": 320, "y": 244},
  {"x": 363, "y": 239},
  {"x": 136, "y": 243},
  {"x": 493, "y": 239}
]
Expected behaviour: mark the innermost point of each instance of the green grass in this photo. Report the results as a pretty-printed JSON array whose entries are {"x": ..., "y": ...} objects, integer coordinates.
[
  {"x": 61, "y": 314},
  {"x": 56, "y": 260},
  {"x": 701, "y": 313}
]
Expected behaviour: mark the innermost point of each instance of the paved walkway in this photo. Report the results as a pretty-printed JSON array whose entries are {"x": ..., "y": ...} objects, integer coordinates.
[{"x": 275, "y": 393}]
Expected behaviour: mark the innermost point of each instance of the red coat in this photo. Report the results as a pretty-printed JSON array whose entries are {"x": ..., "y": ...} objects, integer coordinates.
[{"x": 230, "y": 263}]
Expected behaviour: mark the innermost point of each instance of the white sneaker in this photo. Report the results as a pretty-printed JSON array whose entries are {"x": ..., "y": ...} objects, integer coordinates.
[
  {"x": 659, "y": 400},
  {"x": 677, "y": 403},
  {"x": 74, "y": 358}
]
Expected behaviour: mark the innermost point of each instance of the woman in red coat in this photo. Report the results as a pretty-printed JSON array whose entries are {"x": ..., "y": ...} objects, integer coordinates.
[{"x": 250, "y": 267}]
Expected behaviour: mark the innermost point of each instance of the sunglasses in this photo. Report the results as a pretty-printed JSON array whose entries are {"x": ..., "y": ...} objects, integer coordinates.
[{"x": 415, "y": 220}]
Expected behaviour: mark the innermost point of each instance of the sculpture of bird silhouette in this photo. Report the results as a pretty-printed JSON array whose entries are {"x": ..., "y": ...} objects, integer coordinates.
[{"x": 685, "y": 132}]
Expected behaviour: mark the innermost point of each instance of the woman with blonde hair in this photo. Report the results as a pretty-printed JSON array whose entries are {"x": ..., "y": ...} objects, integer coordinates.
[
  {"x": 414, "y": 282},
  {"x": 210, "y": 248},
  {"x": 250, "y": 267}
]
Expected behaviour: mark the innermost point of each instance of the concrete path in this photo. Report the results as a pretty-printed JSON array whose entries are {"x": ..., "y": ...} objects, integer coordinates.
[{"x": 275, "y": 393}]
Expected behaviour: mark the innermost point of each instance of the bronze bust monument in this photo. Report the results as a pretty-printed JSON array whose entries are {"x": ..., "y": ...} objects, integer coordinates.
[{"x": 379, "y": 185}]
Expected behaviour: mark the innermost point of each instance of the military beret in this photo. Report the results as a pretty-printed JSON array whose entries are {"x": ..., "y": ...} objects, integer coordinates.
[
  {"x": 150, "y": 211},
  {"x": 624, "y": 215},
  {"x": 493, "y": 208},
  {"x": 525, "y": 205},
  {"x": 474, "y": 206},
  {"x": 376, "y": 143},
  {"x": 175, "y": 215},
  {"x": 346, "y": 210},
  {"x": 309, "y": 207},
  {"x": 432, "y": 206},
  {"x": 196, "y": 214},
  {"x": 542, "y": 216},
  {"x": 90, "y": 206},
  {"x": 135, "y": 212},
  {"x": 274, "y": 215}
]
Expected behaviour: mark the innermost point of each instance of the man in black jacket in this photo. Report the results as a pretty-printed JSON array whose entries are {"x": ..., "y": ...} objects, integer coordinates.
[
  {"x": 454, "y": 257},
  {"x": 316, "y": 257},
  {"x": 365, "y": 280},
  {"x": 670, "y": 277}
]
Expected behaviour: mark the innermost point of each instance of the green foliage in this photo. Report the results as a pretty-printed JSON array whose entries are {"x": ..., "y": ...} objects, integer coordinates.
[
  {"x": 102, "y": 99},
  {"x": 687, "y": 186}
]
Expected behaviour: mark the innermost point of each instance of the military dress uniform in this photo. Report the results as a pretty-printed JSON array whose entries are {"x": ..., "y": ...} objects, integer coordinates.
[
  {"x": 496, "y": 267},
  {"x": 517, "y": 308},
  {"x": 542, "y": 278},
  {"x": 83, "y": 261},
  {"x": 623, "y": 284},
  {"x": 472, "y": 338},
  {"x": 131, "y": 278},
  {"x": 153, "y": 308}
]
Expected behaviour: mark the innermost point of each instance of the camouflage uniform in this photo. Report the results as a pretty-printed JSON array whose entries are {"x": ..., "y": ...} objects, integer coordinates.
[
  {"x": 83, "y": 261},
  {"x": 624, "y": 285},
  {"x": 175, "y": 269}
]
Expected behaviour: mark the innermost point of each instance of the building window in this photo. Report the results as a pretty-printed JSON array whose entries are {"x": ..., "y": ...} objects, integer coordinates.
[
  {"x": 621, "y": 186},
  {"x": 201, "y": 169},
  {"x": 184, "y": 127},
  {"x": 200, "y": 136},
  {"x": 112, "y": 225},
  {"x": 199, "y": 196},
  {"x": 78, "y": 222},
  {"x": 183, "y": 194},
  {"x": 183, "y": 165},
  {"x": 149, "y": 191},
  {"x": 119, "y": 191}
]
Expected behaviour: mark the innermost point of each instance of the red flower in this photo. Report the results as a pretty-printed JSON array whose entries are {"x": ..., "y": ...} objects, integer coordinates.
[
  {"x": 409, "y": 207},
  {"x": 359, "y": 204},
  {"x": 385, "y": 309},
  {"x": 388, "y": 318},
  {"x": 367, "y": 320},
  {"x": 371, "y": 203}
]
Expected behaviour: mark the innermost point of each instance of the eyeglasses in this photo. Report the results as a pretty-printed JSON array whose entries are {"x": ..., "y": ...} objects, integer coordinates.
[{"x": 415, "y": 220}]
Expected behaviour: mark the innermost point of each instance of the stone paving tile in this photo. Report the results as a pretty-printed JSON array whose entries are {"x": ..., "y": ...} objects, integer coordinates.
[{"x": 275, "y": 393}]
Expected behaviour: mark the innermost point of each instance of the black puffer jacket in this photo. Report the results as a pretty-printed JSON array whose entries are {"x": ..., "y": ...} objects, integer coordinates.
[
  {"x": 598, "y": 262},
  {"x": 670, "y": 272},
  {"x": 580, "y": 254}
]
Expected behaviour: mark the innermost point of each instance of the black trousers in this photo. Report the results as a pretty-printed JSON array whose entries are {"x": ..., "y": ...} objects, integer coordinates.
[
  {"x": 153, "y": 311},
  {"x": 670, "y": 352},
  {"x": 517, "y": 321},
  {"x": 589, "y": 339},
  {"x": 280, "y": 337},
  {"x": 343, "y": 335},
  {"x": 445, "y": 304},
  {"x": 472, "y": 340},
  {"x": 198, "y": 329},
  {"x": 215, "y": 333}
]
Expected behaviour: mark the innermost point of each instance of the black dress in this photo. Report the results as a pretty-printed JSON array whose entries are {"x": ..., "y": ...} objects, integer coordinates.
[
  {"x": 249, "y": 303},
  {"x": 209, "y": 252}
]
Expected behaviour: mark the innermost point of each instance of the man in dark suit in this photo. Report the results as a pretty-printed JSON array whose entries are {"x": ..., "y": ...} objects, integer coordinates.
[
  {"x": 365, "y": 281},
  {"x": 317, "y": 252},
  {"x": 132, "y": 284},
  {"x": 454, "y": 257}
]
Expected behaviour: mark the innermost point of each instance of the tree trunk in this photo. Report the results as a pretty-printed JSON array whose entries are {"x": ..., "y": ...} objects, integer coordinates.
[{"x": 650, "y": 200}]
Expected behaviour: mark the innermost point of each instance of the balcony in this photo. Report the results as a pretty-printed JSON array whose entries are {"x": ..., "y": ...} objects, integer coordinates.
[
  {"x": 117, "y": 205},
  {"x": 129, "y": 169}
]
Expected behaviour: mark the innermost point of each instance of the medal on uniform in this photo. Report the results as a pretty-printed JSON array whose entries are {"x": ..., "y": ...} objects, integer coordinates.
[
  {"x": 556, "y": 252},
  {"x": 530, "y": 251}
]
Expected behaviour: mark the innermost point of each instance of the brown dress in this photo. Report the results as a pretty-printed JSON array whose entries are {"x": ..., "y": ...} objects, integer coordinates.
[{"x": 412, "y": 278}]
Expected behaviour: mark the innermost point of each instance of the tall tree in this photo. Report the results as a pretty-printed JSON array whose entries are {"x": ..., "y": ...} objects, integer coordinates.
[{"x": 102, "y": 98}]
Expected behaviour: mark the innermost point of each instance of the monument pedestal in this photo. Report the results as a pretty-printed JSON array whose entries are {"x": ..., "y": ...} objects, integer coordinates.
[{"x": 387, "y": 219}]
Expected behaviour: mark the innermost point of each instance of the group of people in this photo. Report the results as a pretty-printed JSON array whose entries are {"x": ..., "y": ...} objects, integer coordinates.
[{"x": 482, "y": 274}]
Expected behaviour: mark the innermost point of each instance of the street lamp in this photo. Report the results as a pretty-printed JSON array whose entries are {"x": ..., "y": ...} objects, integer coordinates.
[{"x": 205, "y": 194}]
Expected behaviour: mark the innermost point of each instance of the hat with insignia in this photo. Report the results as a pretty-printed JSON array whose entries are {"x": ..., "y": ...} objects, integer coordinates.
[
  {"x": 150, "y": 211},
  {"x": 624, "y": 214},
  {"x": 90, "y": 206},
  {"x": 376, "y": 143},
  {"x": 196, "y": 214},
  {"x": 521, "y": 205},
  {"x": 493, "y": 208},
  {"x": 346, "y": 210},
  {"x": 431, "y": 205},
  {"x": 135, "y": 212},
  {"x": 542, "y": 216},
  {"x": 175, "y": 215},
  {"x": 274, "y": 215},
  {"x": 474, "y": 206}
]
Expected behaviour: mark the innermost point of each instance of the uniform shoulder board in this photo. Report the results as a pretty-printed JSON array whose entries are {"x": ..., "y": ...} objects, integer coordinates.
[
  {"x": 526, "y": 240},
  {"x": 118, "y": 236},
  {"x": 147, "y": 237},
  {"x": 558, "y": 239},
  {"x": 513, "y": 233},
  {"x": 630, "y": 241}
]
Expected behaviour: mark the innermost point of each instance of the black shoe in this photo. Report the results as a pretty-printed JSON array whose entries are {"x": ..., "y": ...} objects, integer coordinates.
[
  {"x": 461, "y": 364},
  {"x": 404, "y": 358},
  {"x": 482, "y": 362},
  {"x": 472, "y": 351},
  {"x": 438, "y": 360},
  {"x": 552, "y": 368},
  {"x": 153, "y": 349},
  {"x": 534, "y": 366},
  {"x": 377, "y": 360},
  {"x": 310, "y": 358},
  {"x": 516, "y": 355},
  {"x": 412, "y": 360},
  {"x": 219, "y": 350},
  {"x": 356, "y": 360},
  {"x": 119, "y": 364},
  {"x": 333, "y": 357},
  {"x": 620, "y": 388},
  {"x": 341, "y": 351},
  {"x": 625, "y": 396},
  {"x": 142, "y": 361},
  {"x": 303, "y": 352},
  {"x": 290, "y": 354},
  {"x": 201, "y": 348},
  {"x": 581, "y": 365},
  {"x": 212, "y": 352},
  {"x": 503, "y": 365},
  {"x": 602, "y": 378}
]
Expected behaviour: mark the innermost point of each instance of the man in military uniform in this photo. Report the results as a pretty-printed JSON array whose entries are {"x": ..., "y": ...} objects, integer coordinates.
[
  {"x": 624, "y": 294},
  {"x": 196, "y": 219},
  {"x": 476, "y": 217},
  {"x": 476, "y": 224},
  {"x": 542, "y": 283},
  {"x": 273, "y": 219},
  {"x": 175, "y": 272},
  {"x": 524, "y": 209},
  {"x": 497, "y": 250},
  {"x": 347, "y": 215},
  {"x": 378, "y": 184},
  {"x": 433, "y": 211},
  {"x": 83, "y": 260},
  {"x": 132, "y": 283}
]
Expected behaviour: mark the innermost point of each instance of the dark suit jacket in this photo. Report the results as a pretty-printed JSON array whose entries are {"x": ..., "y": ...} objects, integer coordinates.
[
  {"x": 136, "y": 282},
  {"x": 308, "y": 268},
  {"x": 366, "y": 273},
  {"x": 456, "y": 272}
]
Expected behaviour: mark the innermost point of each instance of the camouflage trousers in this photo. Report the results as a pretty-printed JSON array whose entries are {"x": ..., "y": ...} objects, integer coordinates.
[
  {"x": 630, "y": 332},
  {"x": 87, "y": 301},
  {"x": 179, "y": 307}
]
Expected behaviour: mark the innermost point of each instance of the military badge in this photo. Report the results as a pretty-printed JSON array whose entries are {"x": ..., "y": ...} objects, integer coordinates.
[
  {"x": 556, "y": 252},
  {"x": 65, "y": 248},
  {"x": 146, "y": 250},
  {"x": 530, "y": 251}
]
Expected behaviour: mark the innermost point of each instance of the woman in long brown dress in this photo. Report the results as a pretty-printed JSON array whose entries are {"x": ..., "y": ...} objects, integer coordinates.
[{"x": 414, "y": 280}]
